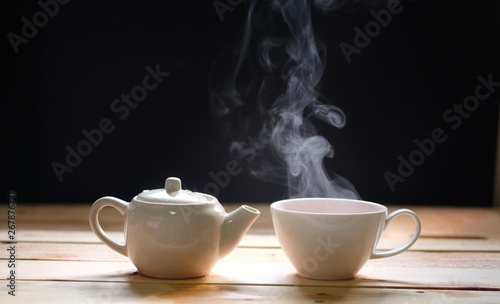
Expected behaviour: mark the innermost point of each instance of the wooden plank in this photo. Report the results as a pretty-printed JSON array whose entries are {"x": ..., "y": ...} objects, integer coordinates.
[
  {"x": 444, "y": 229},
  {"x": 58, "y": 252},
  {"x": 100, "y": 252},
  {"x": 447, "y": 217},
  {"x": 388, "y": 240},
  {"x": 439, "y": 222},
  {"x": 58, "y": 235},
  {"x": 249, "y": 268},
  {"x": 79, "y": 213},
  {"x": 458, "y": 222},
  {"x": 155, "y": 292},
  {"x": 395, "y": 239},
  {"x": 464, "y": 222}
]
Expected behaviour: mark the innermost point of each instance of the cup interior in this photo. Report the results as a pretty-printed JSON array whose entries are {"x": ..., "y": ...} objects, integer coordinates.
[{"x": 328, "y": 206}]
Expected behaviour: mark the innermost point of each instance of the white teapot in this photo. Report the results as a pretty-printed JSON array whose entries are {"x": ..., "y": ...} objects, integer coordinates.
[{"x": 174, "y": 233}]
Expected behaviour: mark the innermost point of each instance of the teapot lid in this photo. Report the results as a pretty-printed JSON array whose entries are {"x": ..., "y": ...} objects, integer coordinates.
[{"x": 173, "y": 193}]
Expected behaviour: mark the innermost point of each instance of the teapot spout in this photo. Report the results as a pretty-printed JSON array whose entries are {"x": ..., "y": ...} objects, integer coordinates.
[{"x": 236, "y": 224}]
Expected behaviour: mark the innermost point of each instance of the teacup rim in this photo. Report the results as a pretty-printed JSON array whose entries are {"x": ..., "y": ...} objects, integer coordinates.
[{"x": 275, "y": 206}]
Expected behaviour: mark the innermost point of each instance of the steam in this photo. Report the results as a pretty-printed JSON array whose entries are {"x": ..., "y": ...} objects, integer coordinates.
[{"x": 274, "y": 92}]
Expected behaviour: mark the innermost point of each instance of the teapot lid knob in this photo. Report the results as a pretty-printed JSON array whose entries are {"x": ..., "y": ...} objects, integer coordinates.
[{"x": 173, "y": 186}]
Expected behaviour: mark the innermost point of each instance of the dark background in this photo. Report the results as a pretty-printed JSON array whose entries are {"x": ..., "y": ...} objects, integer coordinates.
[{"x": 395, "y": 91}]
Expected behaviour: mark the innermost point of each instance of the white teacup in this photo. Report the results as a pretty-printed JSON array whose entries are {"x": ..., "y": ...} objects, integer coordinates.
[{"x": 330, "y": 238}]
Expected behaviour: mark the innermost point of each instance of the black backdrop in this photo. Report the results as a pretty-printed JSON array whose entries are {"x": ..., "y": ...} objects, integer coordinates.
[{"x": 65, "y": 77}]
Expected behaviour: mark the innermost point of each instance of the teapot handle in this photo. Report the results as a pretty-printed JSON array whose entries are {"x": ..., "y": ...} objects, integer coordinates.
[{"x": 107, "y": 201}]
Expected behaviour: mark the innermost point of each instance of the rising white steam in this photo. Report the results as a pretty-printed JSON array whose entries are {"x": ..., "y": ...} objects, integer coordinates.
[{"x": 268, "y": 86}]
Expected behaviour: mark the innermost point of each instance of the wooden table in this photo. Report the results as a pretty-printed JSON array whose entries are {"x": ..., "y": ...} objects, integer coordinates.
[{"x": 59, "y": 260}]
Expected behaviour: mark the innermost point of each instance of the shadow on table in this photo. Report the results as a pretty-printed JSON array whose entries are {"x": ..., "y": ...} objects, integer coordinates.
[{"x": 293, "y": 288}]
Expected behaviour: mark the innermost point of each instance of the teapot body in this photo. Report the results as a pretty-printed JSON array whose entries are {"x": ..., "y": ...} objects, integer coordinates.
[
  {"x": 172, "y": 233},
  {"x": 173, "y": 240}
]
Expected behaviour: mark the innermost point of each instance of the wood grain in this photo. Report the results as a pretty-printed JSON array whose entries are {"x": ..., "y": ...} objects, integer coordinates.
[
  {"x": 60, "y": 260},
  {"x": 156, "y": 292}
]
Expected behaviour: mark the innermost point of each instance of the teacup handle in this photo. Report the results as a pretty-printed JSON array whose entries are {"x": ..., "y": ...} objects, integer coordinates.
[
  {"x": 416, "y": 234},
  {"x": 107, "y": 201}
]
